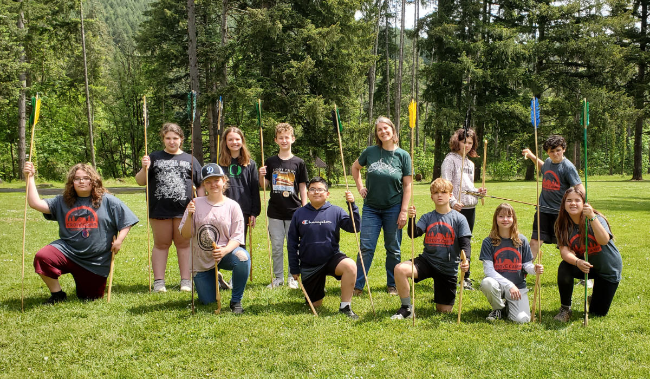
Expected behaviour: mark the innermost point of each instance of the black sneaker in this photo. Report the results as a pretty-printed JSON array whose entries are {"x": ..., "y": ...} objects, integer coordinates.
[
  {"x": 404, "y": 312},
  {"x": 494, "y": 315},
  {"x": 57, "y": 297},
  {"x": 236, "y": 308},
  {"x": 348, "y": 312}
]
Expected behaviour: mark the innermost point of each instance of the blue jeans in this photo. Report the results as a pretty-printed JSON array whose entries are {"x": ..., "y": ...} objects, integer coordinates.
[
  {"x": 372, "y": 221},
  {"x": 205, "y": 284}
]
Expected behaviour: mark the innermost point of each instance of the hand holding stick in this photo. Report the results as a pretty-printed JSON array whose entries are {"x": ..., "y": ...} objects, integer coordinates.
[{"x": 306, "y": 296}]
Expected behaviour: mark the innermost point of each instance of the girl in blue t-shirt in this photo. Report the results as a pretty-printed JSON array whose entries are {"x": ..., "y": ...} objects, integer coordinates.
[
  {"x": 604, "y": 264},
  {"x": 506, "y": 258}
]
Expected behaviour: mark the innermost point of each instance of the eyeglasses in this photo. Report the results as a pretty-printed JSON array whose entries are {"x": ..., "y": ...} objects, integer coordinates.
[
  {"x": 79, "y": 180},
  {"x": 317, "y": 190}
]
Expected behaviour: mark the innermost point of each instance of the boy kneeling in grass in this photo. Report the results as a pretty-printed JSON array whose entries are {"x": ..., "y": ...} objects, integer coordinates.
[
  {"x": 446, "y": 233},
  {"x": 313, "y": 245}
]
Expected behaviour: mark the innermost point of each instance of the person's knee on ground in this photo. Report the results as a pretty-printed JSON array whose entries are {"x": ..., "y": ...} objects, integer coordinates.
[{"x": 520, "y": 318}]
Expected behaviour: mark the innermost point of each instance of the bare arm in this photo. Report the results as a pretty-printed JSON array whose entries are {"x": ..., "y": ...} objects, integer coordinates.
[
  {"x": 303, "y": 193},
  {"x": 141, "y": 176},
  {"x": 33, "y": 199},
  {"x": 356, "y": 175},
  {"x": 262, "y": 179},
  {"x": 186, "y": 230},
  {"x": 121, "y": 235},
  {"x": 570, "y": 257},
  {"x": 529, "y": 154},
  {"x": 406, "y": 198}
]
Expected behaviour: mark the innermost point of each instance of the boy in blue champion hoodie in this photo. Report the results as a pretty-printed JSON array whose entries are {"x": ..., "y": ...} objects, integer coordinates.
[{"x": 313, "y": 245}]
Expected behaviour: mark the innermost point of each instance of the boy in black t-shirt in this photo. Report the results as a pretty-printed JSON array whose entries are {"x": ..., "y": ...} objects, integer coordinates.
[{"x": 287, "y": 176}]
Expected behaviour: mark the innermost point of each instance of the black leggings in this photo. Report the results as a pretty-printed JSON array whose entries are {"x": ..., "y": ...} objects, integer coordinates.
[
  {"x": 602, "y": 294},
  {"x": 470, "y": 215}
]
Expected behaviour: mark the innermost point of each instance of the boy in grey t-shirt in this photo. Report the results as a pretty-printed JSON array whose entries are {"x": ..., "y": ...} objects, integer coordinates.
[{"x": 558, "y": 174}]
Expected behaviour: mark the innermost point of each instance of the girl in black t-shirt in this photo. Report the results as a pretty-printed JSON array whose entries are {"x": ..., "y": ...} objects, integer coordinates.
[{"x": 170, "y": 174}]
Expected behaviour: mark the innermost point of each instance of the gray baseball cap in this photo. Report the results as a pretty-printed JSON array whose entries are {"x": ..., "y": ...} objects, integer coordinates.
[{"x": 210, "y": 170}]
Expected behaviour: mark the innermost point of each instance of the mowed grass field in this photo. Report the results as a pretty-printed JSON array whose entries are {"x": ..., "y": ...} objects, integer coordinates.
[{"x": 155, "y": 335}]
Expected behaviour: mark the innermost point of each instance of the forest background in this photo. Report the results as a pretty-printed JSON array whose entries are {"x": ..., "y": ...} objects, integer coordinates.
[{"x": 464, "y": 61}]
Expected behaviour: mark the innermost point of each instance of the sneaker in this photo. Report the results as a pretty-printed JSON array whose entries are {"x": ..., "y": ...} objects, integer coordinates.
[
  {"x": 159, "y": 286},
  {"x": 57, "y": 298},
  {"x": 348, "y": 312},
  {"x": 404, "y": 312},
  {"x": 467, "y": 284},
  {"x": 590, "y": 283},
  {"x": 392, "y": 290},
  {"x": 277, "y": 282},
  {"x": 236, "y": 308},
  {"x": 293, "y": 283},
  {"x": 564, "y": 315},
  {"x": 494, "y": 315},
  {"x": 357, "y": 292},
  {"x": 223, "y": 285},
  {"x": 186, "y": 285}
]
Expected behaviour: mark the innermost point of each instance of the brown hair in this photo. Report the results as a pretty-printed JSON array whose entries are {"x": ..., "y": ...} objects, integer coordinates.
[
  {"x": 459, "y": 135},
  {"x": 387, "y": 121},
  {"x": 284, "y": 127},
  {"x": 171, "y": 127},
  {"x": 564, "y": 224},
  {"x": 226, "y": 183},
  {"x": 514, "y": 229},
  {"x": 97, "y": 192},
  {"x": 225, "y": 158},
  {"x": 441, "y": 185}
]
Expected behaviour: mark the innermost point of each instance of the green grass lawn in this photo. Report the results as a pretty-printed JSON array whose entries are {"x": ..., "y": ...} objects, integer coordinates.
[{"x": 140, "y": 334}]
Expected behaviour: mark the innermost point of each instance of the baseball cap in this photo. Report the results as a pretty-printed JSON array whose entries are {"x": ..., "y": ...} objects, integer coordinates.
[{"x": 210, "y": 170}]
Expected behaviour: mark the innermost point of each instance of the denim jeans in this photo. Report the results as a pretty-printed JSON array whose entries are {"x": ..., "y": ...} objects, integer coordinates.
[
  {"x": 205, "y": 284},
  {"x": 372, "y": 222}
]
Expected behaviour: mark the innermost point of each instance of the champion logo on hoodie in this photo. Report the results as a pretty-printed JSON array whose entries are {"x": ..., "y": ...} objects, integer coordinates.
[{"x": 308, "y": 222}]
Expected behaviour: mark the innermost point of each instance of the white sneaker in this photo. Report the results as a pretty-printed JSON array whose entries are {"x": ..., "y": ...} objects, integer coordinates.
[
  {"x": 293, "y": 283},
  {"x": 186, "y": 285},
  {"x": 159, "y": 285},
  {"x": 590, "y": 283},
  {"x": 277, "y": 282}
]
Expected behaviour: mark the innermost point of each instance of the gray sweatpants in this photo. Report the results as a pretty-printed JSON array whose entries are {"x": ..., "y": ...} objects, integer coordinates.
[
  {"x": 278, "y": 230},
  {"x": 518, "y": 310}
]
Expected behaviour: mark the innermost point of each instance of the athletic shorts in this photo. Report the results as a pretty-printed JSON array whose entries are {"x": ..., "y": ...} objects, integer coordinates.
[
  {"x": 547, "y": 221},
  {"x": 315, "y": 284},
  {"x": 444, "y": 286},
  {"x": 49, "y": 261}
]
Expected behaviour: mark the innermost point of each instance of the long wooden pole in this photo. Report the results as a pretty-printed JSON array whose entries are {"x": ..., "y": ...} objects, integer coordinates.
[
  {"x": 354, "y": 226},
  {"x": 412, "y": 118},
  {"x": 483, "y": 170},
  {"x": 216, "y": 281},
  {"x": 37, "y": 105},
  {"x": 537, "y": 297},
  {"x": 110, "y": 274},
  {"x": 585, "y": 122},
  {"x": 193, "y": 107},
  {"x": 463, "y": 260},
  {"x": 266, "y": 205},
  {"x": 477, "y": 194},
  {"x": 146, "y": 186},
  {"x": 250, "y": 244},
  {"x": 307, "y": 297}
]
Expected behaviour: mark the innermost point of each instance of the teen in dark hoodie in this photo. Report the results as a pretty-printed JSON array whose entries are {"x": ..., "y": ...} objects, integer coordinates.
[{"x": 313, "y": 245}]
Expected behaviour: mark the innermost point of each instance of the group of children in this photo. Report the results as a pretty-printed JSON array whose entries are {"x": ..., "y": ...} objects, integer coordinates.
[{"x": 228, "y": 203}]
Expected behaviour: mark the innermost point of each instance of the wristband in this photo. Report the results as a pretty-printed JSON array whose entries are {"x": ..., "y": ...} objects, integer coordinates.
[{"x": 593, "y": 218}]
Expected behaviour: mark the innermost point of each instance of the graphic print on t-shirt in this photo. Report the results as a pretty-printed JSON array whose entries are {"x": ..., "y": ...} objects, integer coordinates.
[
  {"x": 234, "y": 170},
  {"x": 207, "y": 234},
  {"x": 507, "y": 259},
  {"x": 382, "y": 166},
  {"x": 439, "y": 234},
  {"x": 550, "y": 182},
  {"x": 576, "y": 243},
  {"x": 81, "y": 218},
  {"x": 170, "y": 175},
  {"x": 283, "y": 180}
]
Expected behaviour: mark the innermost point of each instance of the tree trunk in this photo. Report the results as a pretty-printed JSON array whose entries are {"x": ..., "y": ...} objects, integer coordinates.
[
  {"x": 398, "y": 77},
  {"x": 637, "y": 173},
  {"x": 372, "y": 74},
  {"x": 197, "y": 145},
  {"x": 88, "y": 112},
  {"x": 21, "y": 102},
  {"x": 387, "y": 67},
  {"x": 416, "y": 57}
]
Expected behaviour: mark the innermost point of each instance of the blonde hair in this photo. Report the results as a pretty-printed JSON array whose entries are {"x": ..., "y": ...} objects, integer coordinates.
[
  {"x": 441, "y": 185},
  {"x": 284, "y": 127},
  {"x": 387, "y": 121},
  {"x": 244, "y": 155},
  {"x": 514, "y": 229}
]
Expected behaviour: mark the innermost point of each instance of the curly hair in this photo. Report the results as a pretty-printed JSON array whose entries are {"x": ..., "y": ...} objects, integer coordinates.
[
  {"x": 283, "y": 127},
  {"x": 564, "y": 224},
  {"x": 554, "y": 141},
  {"x": 96, "y": 193},
  {"x": 459, "y": 135},
  {"x": 514, "y": 229},
  {"x": 171, "y": 127},
  {"x": 387, "y": 121},
  {"x": 225, "y": 158}
]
